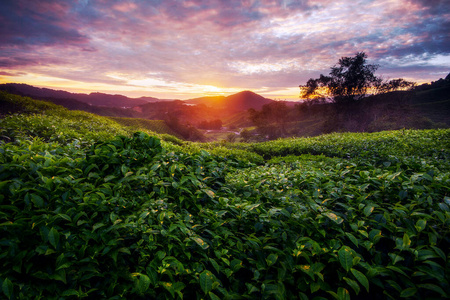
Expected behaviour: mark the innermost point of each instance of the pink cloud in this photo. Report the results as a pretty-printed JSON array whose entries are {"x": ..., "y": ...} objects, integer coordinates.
[{"x": 198, "y": 41}]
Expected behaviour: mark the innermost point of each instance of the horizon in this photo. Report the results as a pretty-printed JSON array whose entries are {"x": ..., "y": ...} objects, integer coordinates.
[{"x": 189, "y": 49}]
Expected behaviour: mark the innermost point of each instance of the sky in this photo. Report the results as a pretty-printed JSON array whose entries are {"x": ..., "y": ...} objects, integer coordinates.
[{"x": 181, "y": 49}]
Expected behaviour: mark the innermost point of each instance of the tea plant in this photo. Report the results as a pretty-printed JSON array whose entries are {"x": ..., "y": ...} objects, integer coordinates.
[{"x": 92, "y": 211}]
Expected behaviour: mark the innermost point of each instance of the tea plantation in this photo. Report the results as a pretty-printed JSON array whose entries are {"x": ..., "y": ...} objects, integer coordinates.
[{"x": 90, "y": 210}]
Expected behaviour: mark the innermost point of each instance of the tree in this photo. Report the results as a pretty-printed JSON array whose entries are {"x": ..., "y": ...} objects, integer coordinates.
[
  {"x": 348, "y": 81},
  {"x": 395, "y": 85},
  {"x": 271, "y": 120},
  {"x": 246, "y": 135},
  {"x": 212, "y": 125}
]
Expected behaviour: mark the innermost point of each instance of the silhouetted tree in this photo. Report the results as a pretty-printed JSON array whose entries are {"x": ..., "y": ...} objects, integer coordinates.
[
  {"x": 348, "y": 81},
  {"x": 186, "y": 131},
  {"x": 213, "y": 125},
  {"x": 271, "y": 120},
  {"x": 231, "y": 137},
  {"x": 395, "y": 85},
  {"x": 246, "y": 135}
]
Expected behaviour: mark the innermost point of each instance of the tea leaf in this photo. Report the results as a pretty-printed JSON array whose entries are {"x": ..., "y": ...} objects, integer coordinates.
[
  {"x": 409, "y": 292},
  {"x": 345, "y": 258},
  {"x": 7, "y": 288},
  {"x": 206, "y": 281},
  {"x": 435, "y": 288},
  {"x": 143, "y": 283},
  {"x": 53, "y": 237},
  {"x": 361, "y": 278}
]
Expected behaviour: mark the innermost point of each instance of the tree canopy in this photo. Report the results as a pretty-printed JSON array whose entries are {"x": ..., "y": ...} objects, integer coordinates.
[
  {"x": 271, "y": 120},
  {"x": 348, "y": 81}
]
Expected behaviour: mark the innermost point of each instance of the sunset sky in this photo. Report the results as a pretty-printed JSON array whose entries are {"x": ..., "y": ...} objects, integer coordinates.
[{"x": 182, "y": 49}]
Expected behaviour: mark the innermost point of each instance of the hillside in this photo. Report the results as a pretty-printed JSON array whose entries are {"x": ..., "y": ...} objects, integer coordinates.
[
  {"x": 157, "y": 126},
  {"x": 426, "y": 107},
  {"x": 25, "y": 117},
  {"x": 92, "y": 210},
  {"x": 191, "y": 111},
  {"x": 234, "y": 103},
  {"x": 97, "y": 99}
]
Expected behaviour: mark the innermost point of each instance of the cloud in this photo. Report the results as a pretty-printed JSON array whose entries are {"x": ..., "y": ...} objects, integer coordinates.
[
  {"x": 27, "y": 23},
  {"x": 186, "y": 44}
]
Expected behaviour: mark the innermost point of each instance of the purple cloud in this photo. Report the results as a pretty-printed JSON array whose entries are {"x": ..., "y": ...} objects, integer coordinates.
[
  {"x": 26, "y": 23},
  {"x": 252, "y": 44}
]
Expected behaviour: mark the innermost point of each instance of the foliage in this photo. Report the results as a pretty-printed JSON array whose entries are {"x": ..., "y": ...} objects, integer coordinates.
[
  {"x": 337, "y": 216},
  {"x": 212, "y": 125},
  {"x": 186, "y": 131},
  {"x": 246, "y": 135},
  {"x": 156, "y": 126},
  {"x": 395, "y": 85},
  {"x": 375, "y": 146},
  {"x": 223, "y": 149},
  {"x": 271, "y": 120},
  {"x": 60, "y": 126},
  {"x": 54, "y": 123},
  {"x": 25, "y": 104},
  {"x": 348, "y": 81}
]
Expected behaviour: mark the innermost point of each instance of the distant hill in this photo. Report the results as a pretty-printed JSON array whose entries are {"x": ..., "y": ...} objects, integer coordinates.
[
  {"x": 192, "y": 111},
  {"x": 97, "y": 99},
  {"x": 233, "y": 103},
  {"x": 236, "y": 102}
]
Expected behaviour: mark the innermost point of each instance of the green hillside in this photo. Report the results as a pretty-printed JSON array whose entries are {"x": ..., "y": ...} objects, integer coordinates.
[
  {"x": 158, "y": 126},
  {"x": 434, "y": 104},
  {"x": 27, "y": 117},
  {"x": 89, "y": 209}
]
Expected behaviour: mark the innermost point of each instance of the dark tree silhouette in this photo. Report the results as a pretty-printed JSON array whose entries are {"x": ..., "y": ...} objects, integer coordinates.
[
  {"x": 271, "y": 120},
  {"x": 395, "y": 85},
  {"x": 348, "y": 81}
]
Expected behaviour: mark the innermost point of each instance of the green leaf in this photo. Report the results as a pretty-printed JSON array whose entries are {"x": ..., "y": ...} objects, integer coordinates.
[
  {"x": 271, "y": 259},
  {"x": 343, "y": 294},
  {"x": 406, "y": 240},
  {"x": 70, "y": 292},
  {"x": 435, "y": 288},
  {"x": 37, "y": 200},
  {"x": 421, "y": 224},
  {"x": 169, "y": 286},
  {"x": 314, "y": 287},
  {"x": 368, "y": 210},
  {"x": 124, "y": 169},
  {"x": 143, "y": 283},
  {"x": 335, "y": 218},
  {"x": 7, "y": 288},
  {"x": 361, "y": 278},
  {"x": 65, "y": 217},
  {"x": 97, "y": 226},
  {"x": 109, "y": 178},
  {"x": 346, "y": 258},
  {"x": 408, "y": 293},
  {"x": 352, "y": 238},
  {"x": 209, "y": 193},
  {"x": 214, "y": 264},
  {"x": 213, "y": 296},
  {"x": 200, "y": 242},
  {"x": 396, "y": 269},
  {"x": 353, "y": 284},
  {"x": 53, "y": 237},
  {"x": 439, "y": 252},
  {"x": 206, "y": 281},
  {"x": 236, "y": 264}
]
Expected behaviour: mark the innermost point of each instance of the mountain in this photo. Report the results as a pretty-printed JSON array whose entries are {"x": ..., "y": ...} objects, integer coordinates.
[
  {"x": 208, "y": 100},
  {"x": 236, "y": 102},
  {"x": 97, "y": 99}
]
